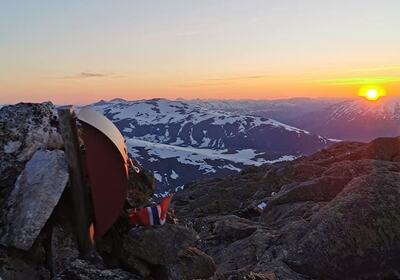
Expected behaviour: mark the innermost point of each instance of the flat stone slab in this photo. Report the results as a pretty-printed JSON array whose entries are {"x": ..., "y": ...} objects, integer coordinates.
[{"x": 31, "y": 202}]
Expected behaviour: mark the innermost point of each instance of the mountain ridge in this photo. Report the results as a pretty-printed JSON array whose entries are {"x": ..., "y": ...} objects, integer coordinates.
[{"x": 179, "y": 124}]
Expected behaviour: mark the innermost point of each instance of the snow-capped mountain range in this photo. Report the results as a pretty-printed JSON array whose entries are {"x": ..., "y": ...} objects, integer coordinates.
[
  {"x": 337, "y": 118},
  {"x": 181, "y": 142},
  {"x": 283, "y": 110},
  {"x": 359, "y": 120}
]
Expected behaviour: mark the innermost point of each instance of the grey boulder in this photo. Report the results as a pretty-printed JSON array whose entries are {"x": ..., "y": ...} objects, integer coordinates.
[{"x": 31, "y": 202}]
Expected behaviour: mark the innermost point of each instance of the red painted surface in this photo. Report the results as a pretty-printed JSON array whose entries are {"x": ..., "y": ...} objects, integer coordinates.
[{"x": 108, "y": 173}]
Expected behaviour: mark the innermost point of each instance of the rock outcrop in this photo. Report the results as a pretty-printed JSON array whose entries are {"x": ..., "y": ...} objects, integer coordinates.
[
  {"x": 24, "y": 128},
  {"x": 168, "y": 251},
  {"x": 357, "y": 233},
  {"x": 335, "y": 215}
]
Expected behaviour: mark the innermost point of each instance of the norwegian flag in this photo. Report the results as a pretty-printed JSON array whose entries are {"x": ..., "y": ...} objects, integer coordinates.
[{"x": 152, "y": 215}]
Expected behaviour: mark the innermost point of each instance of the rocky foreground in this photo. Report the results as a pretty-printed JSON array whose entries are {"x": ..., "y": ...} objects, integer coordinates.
[
  {"x": 335, "y": 215},
  {"x": 332, "y": 215}
]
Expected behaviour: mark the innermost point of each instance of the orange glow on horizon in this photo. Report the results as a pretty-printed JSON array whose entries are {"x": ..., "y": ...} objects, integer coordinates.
[{"x": 245, "y": 85}]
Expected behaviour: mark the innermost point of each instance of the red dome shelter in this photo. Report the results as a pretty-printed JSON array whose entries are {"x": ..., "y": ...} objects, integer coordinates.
[{"x": 107, "y": 168}]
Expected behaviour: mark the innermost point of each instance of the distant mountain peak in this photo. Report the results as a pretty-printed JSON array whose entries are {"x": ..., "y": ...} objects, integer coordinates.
[
  {"x": 118, "y": 100},
  {"x": 359, "y": 119}
]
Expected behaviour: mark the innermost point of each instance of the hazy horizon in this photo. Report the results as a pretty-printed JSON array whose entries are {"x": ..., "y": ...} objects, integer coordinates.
[{"x": 194, "y": 99}]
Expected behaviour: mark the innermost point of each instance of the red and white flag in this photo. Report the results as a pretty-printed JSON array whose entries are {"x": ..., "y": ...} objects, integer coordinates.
[{"x": 152, "y": 215}]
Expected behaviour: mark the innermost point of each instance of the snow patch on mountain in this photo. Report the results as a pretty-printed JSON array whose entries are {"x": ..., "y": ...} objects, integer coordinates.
[
  {"x": 199, "y": 157},
  {"x": 174, "y": 175},
  {"x": 195, "y": 155}
]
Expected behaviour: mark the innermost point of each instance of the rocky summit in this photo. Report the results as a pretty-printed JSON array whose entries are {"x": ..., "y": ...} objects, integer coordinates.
[{"x": 331, "y": 215}]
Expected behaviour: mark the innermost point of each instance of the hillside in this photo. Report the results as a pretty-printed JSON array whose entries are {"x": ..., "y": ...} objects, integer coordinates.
[{"x": 201, "y": 142}]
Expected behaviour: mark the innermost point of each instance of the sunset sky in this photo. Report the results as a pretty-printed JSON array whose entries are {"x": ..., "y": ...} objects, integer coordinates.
[{"x": 78, "y": 51}]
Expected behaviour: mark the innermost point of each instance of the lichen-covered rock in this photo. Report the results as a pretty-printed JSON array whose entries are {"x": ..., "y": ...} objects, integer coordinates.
[
  {"x": 64, "y": 247},
  {"x": 191, "y": 264},
  {"x": 31, "y": 202},
  {"x": 227, "y": 228},
  {"x": 245, "y": 275},
  {"x": 234, "y": 228},
  {"x": 159, "y": 245},
  {"x": 355, "y": 234},
  {"x": 24, "y": 128},
  {"x": 82, "y": 270},
  {"x": 168, "y": 250},
  {"x": 322, "y": 188},
  {"x": 16, "y": 267}
]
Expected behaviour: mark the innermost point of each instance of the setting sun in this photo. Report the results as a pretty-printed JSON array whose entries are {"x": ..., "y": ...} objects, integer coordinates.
[{"x": 372, "y": 93}]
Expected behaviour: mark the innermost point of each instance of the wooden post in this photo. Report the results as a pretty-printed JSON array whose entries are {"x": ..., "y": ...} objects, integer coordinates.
[{"x": 81, "y": 207}]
